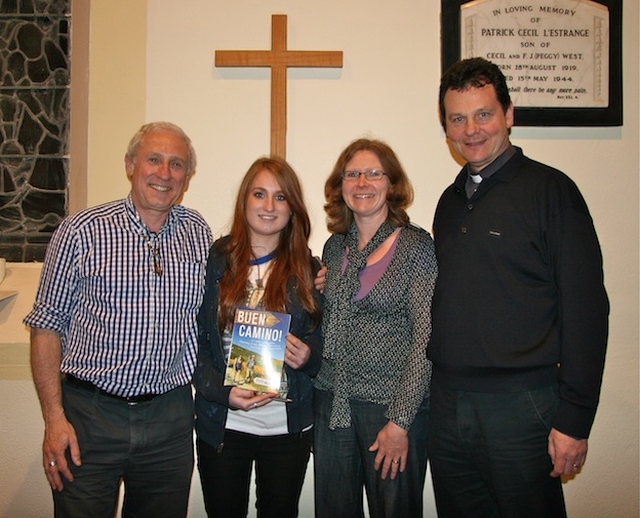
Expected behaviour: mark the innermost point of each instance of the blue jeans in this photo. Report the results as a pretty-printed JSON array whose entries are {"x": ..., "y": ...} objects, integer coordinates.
[
  {"x": 344, "y": 465},
  {"x": 488, "y": 453},
  {"x": 281, "y": 463},
  {"x": 148, "y": 445}
]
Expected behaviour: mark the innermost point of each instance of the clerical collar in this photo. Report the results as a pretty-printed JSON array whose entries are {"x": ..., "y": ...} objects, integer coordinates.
[
  {"x": 263, "y": 259},
  {"x": 473, "y": 180},
  {"x": 497, "y": 163}
]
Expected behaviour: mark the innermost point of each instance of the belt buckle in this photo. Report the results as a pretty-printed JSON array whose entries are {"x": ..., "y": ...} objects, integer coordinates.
[{"x": 141, "y": 398}]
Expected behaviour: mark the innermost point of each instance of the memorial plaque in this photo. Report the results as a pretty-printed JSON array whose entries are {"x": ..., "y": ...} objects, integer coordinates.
[
  {"x": 552, "y": 55},
  {"x": 561, "y": 58}
]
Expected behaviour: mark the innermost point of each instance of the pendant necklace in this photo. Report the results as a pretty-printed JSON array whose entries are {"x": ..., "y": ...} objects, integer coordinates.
[
  {"x": 154, "y": 248},
  {"x": 257, "y": 262}
]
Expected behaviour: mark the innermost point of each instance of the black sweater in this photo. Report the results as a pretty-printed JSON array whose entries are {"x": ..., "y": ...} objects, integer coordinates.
[{"x": 520, "y": 301}]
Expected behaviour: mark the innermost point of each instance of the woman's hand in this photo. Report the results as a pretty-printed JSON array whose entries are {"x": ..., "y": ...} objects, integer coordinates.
[
  {"x": 321, "y": 276},
  {"x": 297, "y": 353},
  {"x": 248, "y": 399},
  {"x": 392, "y": 446}
]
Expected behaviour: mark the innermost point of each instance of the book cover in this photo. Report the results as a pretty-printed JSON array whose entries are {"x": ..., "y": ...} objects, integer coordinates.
[{"x": 256, "y": 358}]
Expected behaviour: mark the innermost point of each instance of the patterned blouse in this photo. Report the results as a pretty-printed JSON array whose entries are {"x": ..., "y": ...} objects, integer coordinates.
[{"x": 382, "y": 358}]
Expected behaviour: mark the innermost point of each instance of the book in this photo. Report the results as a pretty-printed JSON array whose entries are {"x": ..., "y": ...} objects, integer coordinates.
[{"x": 256, "y": 357}]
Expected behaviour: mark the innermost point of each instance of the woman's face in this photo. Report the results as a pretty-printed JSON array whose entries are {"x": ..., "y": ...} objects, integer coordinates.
[
  {"x": 267, "y": 210},
  {"x": 366, "y": 198}
]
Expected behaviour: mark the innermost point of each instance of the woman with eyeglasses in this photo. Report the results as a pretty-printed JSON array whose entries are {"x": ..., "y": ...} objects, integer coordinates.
[
  {"x": 264, "y": 263},
  {"x": 371, "y": 394}
]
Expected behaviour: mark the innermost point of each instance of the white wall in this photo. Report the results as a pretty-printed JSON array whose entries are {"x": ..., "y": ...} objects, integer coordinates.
[{"x": 387, "y": 89}]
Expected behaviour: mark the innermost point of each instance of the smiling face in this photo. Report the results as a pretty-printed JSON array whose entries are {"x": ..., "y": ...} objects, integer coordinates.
[
  {"x": 367, "y": 199},
  {"x": 159, "y": 175},
  {"x": 476, "y": 125},
  {"x": 267, "y": 211}
]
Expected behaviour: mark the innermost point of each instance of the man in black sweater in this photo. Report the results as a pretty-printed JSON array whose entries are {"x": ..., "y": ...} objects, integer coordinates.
[{"x": 520, "y": 316}]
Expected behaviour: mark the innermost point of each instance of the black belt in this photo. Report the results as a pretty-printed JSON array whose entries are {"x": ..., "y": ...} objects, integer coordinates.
[{"x": 87, "y": 385}]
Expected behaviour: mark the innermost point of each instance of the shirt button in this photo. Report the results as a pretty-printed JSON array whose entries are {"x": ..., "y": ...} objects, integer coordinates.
[
  {"x": 463, "y": 230},
  {"x": 470, "y": 206}
]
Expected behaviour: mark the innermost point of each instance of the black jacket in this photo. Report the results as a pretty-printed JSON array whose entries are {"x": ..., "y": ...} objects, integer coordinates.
[{"x": 212, "y": 397}]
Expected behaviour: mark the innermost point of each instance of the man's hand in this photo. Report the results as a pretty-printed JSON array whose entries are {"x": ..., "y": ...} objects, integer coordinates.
[
  {"x": 59, "y": 435},
  {"x": 392, "y": 446},
  {"x": 567, "y": 453}
]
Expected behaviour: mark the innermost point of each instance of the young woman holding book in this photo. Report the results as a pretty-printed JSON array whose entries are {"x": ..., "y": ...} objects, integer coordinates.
[{"x": 264, "y": 263}]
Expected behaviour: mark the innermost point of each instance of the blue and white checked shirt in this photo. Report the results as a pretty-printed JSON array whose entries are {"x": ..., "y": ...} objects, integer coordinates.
[{"x": 123, "y": 327}]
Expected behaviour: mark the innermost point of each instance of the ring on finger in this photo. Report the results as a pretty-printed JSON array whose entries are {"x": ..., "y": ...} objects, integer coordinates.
[
  {"x": 53, "y": 463},
  {"x": 395, "y": 462}
]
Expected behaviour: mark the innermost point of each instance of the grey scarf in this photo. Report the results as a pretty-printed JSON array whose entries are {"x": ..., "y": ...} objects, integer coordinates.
[{"x": 341, "y": 321}]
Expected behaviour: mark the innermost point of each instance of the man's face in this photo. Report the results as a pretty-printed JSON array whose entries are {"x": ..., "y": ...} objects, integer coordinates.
[
  {"x": 476, "y": 125},
  {"x": 159, "y": 175}
]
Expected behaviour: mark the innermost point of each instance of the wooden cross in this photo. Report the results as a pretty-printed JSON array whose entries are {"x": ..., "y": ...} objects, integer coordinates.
[{"x": 278, "y": 59}]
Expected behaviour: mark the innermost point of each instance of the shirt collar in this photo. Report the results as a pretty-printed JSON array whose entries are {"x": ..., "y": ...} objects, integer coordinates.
[
  {"x": 496, "y": 164},
  {"x": 465, "y": 183},
  {"x": 141, "y": 228}
]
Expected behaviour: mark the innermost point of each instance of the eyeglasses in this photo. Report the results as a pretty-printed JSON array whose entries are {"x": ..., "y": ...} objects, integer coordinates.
[{"x": 373, "y": 175}]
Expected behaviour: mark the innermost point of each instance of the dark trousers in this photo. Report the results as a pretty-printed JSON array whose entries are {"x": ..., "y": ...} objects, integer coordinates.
[
  {"x": 147, "y": 445},
  {"x": 344, "y": 465},
  {"x": 488, "y": 454},
  {"x": 281, "y": 464}
]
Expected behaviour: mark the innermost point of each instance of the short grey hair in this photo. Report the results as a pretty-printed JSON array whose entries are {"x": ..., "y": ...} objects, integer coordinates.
[{"x": 152, "y": 127}]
